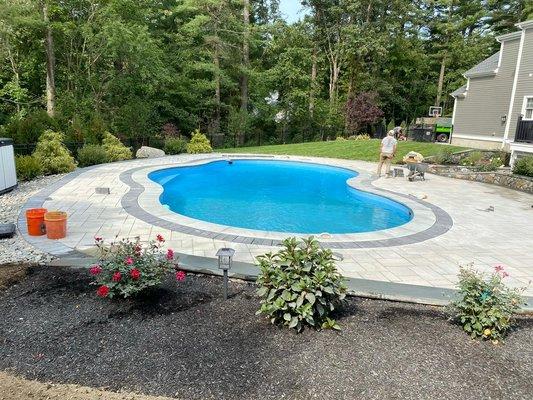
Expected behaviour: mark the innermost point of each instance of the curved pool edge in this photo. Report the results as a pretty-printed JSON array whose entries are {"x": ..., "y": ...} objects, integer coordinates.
[
  {"x": 350, "y": 183},
  {"x": 141, "y": 201}
]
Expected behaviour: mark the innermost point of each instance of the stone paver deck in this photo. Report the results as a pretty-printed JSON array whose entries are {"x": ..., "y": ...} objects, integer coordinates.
[{"x": 451, "y": 226}]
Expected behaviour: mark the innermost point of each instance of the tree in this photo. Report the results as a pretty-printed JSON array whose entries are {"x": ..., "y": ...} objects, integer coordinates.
[{"x": 362, "y": 110}]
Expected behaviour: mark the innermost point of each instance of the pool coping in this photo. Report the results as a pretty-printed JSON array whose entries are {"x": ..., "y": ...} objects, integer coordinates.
[{"x": 142, "y": 202}]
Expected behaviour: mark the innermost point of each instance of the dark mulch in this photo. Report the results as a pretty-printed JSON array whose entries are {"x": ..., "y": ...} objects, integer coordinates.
[{"x": 184, "y": 341}]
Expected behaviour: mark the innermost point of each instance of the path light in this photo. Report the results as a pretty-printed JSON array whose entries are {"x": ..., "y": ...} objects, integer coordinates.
[{"x": 225, "y": 258}]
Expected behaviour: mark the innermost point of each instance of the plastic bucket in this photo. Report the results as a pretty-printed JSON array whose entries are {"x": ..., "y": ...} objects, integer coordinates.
[
  {"x": 35, "y": 221},
  {"x": 56, "y": 224}
]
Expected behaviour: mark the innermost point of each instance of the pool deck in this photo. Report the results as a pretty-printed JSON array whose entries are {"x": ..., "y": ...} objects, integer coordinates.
[{"x": 451, "y": 224}]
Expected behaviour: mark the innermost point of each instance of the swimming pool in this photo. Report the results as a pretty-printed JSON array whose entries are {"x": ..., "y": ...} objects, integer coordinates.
[{"x": 280, "y": 196}]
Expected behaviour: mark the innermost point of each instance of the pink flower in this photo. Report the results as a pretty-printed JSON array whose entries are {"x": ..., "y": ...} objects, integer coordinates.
[
  {"x": 97, "y": 239},
  {"x": 180, "y": 276},
  {"x": 117, "y": 276},
  {"x": 138, "y": 250},
  {"x": 95, "y": 270},
  {"x": 160, "y": 238},
  {"x": 128, "y": 261},
  {"x": 498, "y": 268},
  {"x": 102, "y": 291},
  {"x": 135, "y": 274},
  {"x": 170, "y": 254}
]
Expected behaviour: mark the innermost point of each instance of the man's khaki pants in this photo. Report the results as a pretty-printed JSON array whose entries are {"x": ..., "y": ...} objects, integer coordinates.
[{"x": 387, "y": 159}]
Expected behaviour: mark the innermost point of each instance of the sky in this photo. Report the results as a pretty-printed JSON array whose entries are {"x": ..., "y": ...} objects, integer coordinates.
[{"x": 291, "y": 10}]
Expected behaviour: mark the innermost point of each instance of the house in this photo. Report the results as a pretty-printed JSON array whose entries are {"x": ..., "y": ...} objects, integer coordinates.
[{"x": 494, "y": 110}]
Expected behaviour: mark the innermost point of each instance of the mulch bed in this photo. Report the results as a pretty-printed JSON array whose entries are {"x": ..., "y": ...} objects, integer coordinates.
[{"x": 183, "y": 340}]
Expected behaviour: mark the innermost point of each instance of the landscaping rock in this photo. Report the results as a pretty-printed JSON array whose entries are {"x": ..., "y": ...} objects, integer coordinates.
[{"x": 149, "y": 152}]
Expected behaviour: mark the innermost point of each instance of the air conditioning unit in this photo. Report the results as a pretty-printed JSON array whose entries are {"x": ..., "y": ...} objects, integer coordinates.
[{"x": 8, "y": 173}]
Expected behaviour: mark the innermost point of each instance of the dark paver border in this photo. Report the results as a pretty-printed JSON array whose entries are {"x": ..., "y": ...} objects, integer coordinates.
[{"x": 130, "y": 202}]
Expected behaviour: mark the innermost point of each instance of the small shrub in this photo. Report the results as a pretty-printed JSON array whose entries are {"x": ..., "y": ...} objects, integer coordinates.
[
  {"x": 444, "y": 156},
  {"x": 524, "y": 166},
  {"x": 52, "y": 154},
  {"x": 300, "y": 285},
  {"x": 364, "y": 136},
  {"x": 126, "y": 268},
  {"x": 472, "y": 159},
  {"x": 485, "y": 305},
  {"x": 91, "y": 154},
  {"x": 340, "y": 139},
  {"x": 175, "y": 146},
  {"x": 28, "y": 168},
  {"x": 199, "y": 144},
  {"x": 114, "y": 148}
]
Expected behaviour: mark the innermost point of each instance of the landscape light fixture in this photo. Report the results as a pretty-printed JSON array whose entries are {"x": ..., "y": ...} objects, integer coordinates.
[{"x": 225, "y": 259}]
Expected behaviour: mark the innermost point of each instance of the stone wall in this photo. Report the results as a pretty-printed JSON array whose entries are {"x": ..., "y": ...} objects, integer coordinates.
[{"x": 502, "y": 177}]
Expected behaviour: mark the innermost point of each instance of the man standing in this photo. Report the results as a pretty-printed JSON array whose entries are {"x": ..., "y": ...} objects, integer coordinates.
[{"x": 387, "y": 152}]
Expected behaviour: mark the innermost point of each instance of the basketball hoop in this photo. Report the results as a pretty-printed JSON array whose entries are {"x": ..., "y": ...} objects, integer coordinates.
[{"x": 435, "y": 111}]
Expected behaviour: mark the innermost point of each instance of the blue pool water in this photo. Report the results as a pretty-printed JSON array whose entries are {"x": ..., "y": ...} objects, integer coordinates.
[{"x": 282, "y": 196}]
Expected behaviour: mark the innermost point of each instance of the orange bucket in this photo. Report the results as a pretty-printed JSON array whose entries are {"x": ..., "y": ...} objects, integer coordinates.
[
  {"x": 35, "y": 221},
  {"x": 56, "y": 224}
]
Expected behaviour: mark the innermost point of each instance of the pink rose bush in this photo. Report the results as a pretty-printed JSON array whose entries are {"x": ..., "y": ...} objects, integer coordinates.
[{"x": 126, "y": 267}]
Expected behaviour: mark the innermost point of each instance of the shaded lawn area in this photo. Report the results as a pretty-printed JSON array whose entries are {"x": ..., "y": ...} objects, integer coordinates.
[
  {"x": 365, "y": 150},
  {"x": 183, "y": 340}
]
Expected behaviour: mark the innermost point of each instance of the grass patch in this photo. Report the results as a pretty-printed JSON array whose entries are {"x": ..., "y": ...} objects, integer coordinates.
[{"x": 365, "y": 150}]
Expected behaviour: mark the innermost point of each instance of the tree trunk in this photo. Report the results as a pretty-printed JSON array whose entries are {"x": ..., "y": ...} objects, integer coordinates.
[
  {"x": 441, "y": 81},
  {"x": 15, "y": 74},
  {"x": 216, "y": 61},
  {"x": 50, "y": 64},
  {"x": 313, "y": 84},
  {"x": 245, "y": 55}
]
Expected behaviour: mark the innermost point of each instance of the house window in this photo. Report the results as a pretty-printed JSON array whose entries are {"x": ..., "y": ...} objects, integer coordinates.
[{"x": 527, "y": 112}]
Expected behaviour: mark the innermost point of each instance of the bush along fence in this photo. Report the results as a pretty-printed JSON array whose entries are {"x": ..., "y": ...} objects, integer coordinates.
[{"x": 26, "y": 149}]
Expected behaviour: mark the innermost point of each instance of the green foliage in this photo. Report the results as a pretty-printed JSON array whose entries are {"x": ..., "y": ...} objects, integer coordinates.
[
  {"x": 52, "y": 154},
  {"x": 444, "y": 156},
  {"x": 482, "y": 162},
  {"x": 30, "y": 128},
  {"x": 524, "y": 166},
  {"x": 175, "y": 146},
  {"x": 28, "y": 168},
  {"x": 92, "y": 154},
  {"x": 472, "y": 159},
  {"x": 300, "y": 285},
  {"x": 199, "y": 143},
  {"x": 485, "y": 305},
  {"x": 126, "y": 268},
  {"x": 114, "y": 148}
]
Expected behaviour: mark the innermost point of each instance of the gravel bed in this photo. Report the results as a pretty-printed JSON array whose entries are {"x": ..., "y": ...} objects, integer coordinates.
[
  {"x": 183, "y": 340},
  {"x": 17, "y": 249}
]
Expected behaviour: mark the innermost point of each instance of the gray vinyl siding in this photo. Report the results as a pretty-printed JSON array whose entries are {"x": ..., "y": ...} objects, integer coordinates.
[
  {"x": 488, "y": 98},
  {"x": 524, "y": 84}
]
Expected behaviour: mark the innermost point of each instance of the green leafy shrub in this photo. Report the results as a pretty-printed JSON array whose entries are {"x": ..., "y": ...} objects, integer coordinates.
[
  {"x": 472, "y": 159},
  {"x": 126, "y": 268},
  {"x": 52, "y": 154},
  {"x": 364, "y": 136},
  {"x": 199, "y": 144},
  {"x": 114, "y": 148},
  {"x": 175, "y": 146},
  {"x": 300, "y": 285},
  {"x": 91, "y": 154},
  {"x": 444, "y": 156},
  {"x": 485, "y": 305},
  {"x": 524, "y": 166},
  {"x": 28, "y": 168},
  {"x": 30, "y": 128}
]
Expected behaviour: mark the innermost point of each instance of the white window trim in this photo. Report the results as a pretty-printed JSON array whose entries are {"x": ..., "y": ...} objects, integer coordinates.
[{"x": 524, "y": 104}]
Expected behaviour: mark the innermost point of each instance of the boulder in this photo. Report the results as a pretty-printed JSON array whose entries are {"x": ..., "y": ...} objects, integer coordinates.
[{"x": 149, "y": 152}]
